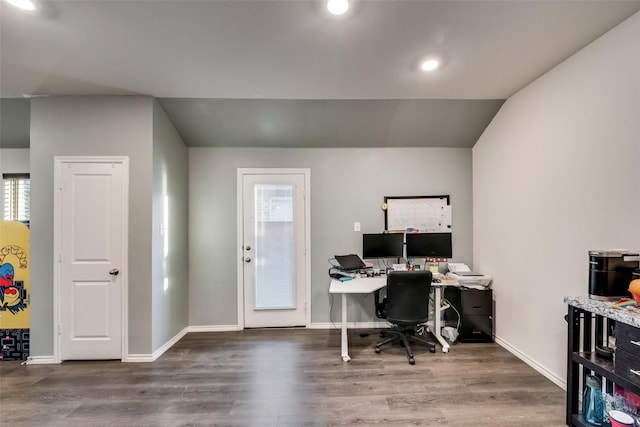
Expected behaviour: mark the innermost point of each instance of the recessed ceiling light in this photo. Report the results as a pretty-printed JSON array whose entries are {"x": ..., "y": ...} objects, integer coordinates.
[
  {"x": 430, "y": 65},
  {"x": 338, "y": 7},
  {"x": 23, "y": 4}
]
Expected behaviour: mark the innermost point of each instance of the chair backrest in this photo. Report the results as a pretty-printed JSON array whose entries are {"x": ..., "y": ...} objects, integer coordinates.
[{"x": 408, "y": 297}]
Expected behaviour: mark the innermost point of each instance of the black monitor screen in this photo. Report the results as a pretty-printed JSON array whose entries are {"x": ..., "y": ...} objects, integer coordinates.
[
  {"x": 437, "y": 245},
  {"x": 382, "y": 245}
]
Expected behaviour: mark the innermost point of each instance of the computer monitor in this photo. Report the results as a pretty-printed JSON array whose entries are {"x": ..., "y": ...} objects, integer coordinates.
[
  {"x": 436, "y": 245},
  {"x": 382, "y": 245}
]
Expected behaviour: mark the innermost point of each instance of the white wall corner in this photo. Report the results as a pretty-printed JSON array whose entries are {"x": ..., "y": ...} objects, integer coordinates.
[{"x": 135, "y": 358}]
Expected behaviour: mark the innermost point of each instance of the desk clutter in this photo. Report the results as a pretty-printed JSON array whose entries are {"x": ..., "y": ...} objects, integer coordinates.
[
  {"x": 461, "y": 310},
  {"x": 417, "y": 238},
  {"x": 351, "y": 266},
  {"x": 415, "y": 228}
]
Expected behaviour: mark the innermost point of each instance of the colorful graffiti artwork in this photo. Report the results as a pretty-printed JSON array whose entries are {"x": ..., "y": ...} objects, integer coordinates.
[{"x": 14, "y": 291}]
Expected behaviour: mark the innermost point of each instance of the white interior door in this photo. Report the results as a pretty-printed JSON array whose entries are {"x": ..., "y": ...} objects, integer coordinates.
[
  {"x": 91, "y": 212},
  {"x": 274, "y": 249}
]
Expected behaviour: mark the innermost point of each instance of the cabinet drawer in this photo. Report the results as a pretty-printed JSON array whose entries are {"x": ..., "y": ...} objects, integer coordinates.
[
  {"x": 627, "y": 365},
  {"x": 628, "y": 339},
  {"x": 476, "y": 302},
  {"x": 476, "y": 329}
]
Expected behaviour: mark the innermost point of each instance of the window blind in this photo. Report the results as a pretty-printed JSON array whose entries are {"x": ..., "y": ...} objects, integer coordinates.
[{"x": 17, "y": 193}]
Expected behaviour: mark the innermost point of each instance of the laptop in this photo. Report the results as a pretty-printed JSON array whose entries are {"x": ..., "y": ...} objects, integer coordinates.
[{"x": 350, "y": 262}]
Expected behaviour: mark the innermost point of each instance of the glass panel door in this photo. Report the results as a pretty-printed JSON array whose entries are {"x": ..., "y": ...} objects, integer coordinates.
[
  {"x": 274, "y": 258},
  {"x": 274, "y": 261}
]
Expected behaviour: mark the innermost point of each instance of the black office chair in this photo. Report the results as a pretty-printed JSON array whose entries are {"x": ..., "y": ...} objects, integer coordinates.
[{"x": 407, "y": 306}]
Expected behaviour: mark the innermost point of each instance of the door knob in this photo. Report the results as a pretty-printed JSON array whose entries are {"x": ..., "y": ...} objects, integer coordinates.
[
  {"x": 247, "y": 259},
  {"x": 114, "y": 272}
]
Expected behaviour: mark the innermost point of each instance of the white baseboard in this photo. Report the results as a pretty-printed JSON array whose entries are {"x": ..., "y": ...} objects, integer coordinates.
[
  {"x": 350, "y": 325},
  {"x": 560, "y": 382},
  {"x": 323, "y": 325},
  {"x": 41, "y": 360},
  {"x": 213, "y": 328},
  {"x": 145, "y": 358},
  {"x": 47, "y": 360},
  {"x": 159, "y": 352},
  {"x": 138, "y": 358}
]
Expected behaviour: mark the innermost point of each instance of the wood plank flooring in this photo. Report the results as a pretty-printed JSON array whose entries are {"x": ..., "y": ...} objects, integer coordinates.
[{"x": 284, "y": 377}]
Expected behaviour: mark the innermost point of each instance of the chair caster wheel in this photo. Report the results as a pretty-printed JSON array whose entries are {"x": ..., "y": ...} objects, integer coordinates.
[
  {"x": 412, "y": 361},
  {"x": 432, "y": 350},
  {"x": 378, "y": 350}
]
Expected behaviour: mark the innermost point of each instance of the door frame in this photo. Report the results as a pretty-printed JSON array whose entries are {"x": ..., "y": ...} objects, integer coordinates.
[
  {"x": 240, "y": 234},
  {"x": 59, "y": 162}
]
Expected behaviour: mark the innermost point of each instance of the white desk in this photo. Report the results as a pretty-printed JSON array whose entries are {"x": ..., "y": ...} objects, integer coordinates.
[
  {"x": 366, "y": 285},
  {"x": 355, "y": 286}
]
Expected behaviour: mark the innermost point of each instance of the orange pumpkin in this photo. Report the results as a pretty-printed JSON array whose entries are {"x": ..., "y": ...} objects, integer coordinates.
[{"x": 634, "y": 288}]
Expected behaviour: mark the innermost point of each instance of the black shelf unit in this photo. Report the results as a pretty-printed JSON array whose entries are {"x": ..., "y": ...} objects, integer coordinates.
[
  {"x": 578, "y": 420},
  {"x": 584, "y": 330}
]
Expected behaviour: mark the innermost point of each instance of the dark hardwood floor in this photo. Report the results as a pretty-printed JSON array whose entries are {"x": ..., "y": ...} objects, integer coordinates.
[{"x": 284, "y": 377}]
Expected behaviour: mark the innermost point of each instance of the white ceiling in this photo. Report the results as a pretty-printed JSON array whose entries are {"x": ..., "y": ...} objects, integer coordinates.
[{"x": 292, "y": 50}]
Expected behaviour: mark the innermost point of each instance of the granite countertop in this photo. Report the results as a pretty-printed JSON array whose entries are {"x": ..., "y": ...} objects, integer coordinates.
[{"x": 629, "y": 314}]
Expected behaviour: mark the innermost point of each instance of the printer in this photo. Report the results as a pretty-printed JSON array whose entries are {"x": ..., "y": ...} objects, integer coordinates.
[{"x": 465, "y": 277}]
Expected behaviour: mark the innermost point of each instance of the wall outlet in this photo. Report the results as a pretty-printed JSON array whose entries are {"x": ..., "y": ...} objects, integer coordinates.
[{"x": 356, "y": 226}]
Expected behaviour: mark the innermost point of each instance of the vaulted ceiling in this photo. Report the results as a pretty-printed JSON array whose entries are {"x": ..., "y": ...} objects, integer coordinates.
[{"x": 286, "y": 73}]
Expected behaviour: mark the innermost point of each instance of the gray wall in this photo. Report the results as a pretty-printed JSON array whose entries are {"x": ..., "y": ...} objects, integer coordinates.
[
  {"x": 92, "y": 126},
  {"x": 14, "y": 122},
  {"x": 169, "y": 257},
  {"x": 555, "y": 175},
  {"x": 347, "y": 185}
]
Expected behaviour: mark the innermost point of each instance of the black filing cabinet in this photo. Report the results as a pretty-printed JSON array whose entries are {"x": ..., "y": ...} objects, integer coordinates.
[
  {"x": 627, "y": 359},
  {"x": 476, "y": 311}
]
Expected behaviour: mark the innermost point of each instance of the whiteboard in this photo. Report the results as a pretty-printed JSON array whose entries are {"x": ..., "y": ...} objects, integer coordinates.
[{"x": 425, "y": 214}]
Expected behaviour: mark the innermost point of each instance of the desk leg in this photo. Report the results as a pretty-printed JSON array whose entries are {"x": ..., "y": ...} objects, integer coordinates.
[
  {"x": 438, "y": 320},
  {"x": 344, "y": 344}
]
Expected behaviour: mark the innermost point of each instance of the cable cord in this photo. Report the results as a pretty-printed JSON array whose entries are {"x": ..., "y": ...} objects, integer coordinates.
[
  {"x": 446, "y": 301},
  {"x": 422, "y": 329}
]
